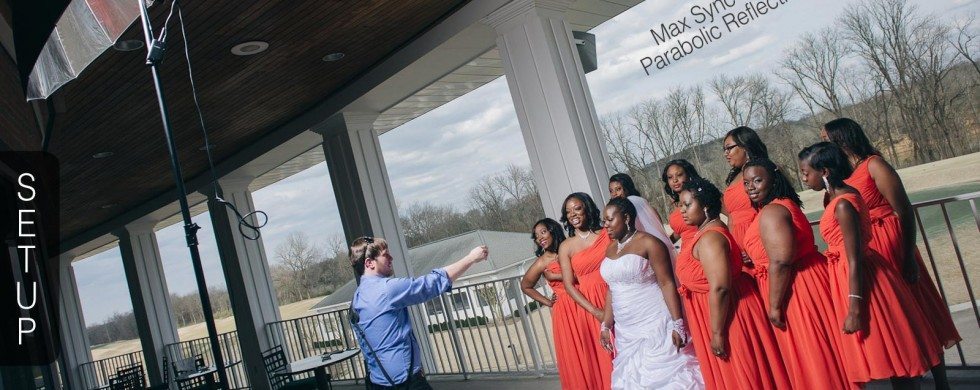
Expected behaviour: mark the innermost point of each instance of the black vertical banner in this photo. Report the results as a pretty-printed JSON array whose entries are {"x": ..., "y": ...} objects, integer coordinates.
[{"x": 29, "y": 280}]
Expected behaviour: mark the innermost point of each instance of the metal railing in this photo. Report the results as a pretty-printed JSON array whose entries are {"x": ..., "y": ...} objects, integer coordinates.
[
  {"x": 230, "y": 350},
  {"x": 943, "y": 224},
  {"x": 483, "y": 328},
  {"x": 315, "y": 335},
  {"x": 96, "y": 373}
]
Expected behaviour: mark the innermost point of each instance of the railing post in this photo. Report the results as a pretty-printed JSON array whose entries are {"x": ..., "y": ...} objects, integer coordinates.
[
  {"x": 450, "y": 319},
  {"x": 529, "y": 335}
]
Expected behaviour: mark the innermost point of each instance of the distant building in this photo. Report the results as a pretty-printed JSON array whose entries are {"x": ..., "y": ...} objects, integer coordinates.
[{"x": 510, "y": 254}]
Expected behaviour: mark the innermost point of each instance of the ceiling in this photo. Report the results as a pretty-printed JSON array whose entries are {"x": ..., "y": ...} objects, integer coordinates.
[{"x": 112, "y": 106}]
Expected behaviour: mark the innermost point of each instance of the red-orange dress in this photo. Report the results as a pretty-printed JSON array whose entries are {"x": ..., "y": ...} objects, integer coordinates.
[
  {"x": 893, "y": 344},
  {"x": 887, "y": 239},
  {"x": 739, "y": 209},
  {"x": 810, "y": 343},
  {"x": 582, "y": 362},
  {"x": 753, "y": 360},
  {"x": 684, "y": 231}
]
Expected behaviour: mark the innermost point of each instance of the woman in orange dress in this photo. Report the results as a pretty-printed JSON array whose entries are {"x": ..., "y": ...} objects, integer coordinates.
[
  {"x": 880, "y": 333},
  {"x": 732, "y": 337},
  {"x": 893, "y": 227},
  {"x": 547, "y": 235},
  {"x": 741, "y": 144},
  {"x": 793, "y": 280},
  {"x": 675, "y": 174},
  {"x": 579, "y": 257}
]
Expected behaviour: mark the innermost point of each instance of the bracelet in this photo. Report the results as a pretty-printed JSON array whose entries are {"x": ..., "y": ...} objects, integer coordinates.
[
  {"x": 855, "y": 296},
  {"x": 603, "y": 327},
  {"x": 678, "y": 326}
]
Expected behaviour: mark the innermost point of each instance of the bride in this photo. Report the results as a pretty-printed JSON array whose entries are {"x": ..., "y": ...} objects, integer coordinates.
[{"x": 651, "y": 341}]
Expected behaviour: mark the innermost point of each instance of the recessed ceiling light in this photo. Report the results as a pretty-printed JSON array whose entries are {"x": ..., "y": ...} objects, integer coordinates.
[
  {"x": 107, "y": 206},
  {"x": 128, "y": 45},
  {"x": 249, "y": 48},
  {"x": 102, "y": 154},
  {"x": 333, "y": 57}
]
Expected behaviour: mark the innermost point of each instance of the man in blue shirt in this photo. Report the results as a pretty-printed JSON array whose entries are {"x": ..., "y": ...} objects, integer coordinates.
[{"x": 380, "y": 307}]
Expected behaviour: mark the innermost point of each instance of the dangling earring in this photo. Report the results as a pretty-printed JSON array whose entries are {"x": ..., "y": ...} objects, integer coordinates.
[
  {"x": 706, "y": 214},
  {"x": 826, "y": 183}
]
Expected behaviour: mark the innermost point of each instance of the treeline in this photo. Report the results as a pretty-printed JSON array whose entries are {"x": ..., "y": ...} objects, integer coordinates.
[
  {"x": 507, "y": 201},
  {"x": 909, "y": 78}
]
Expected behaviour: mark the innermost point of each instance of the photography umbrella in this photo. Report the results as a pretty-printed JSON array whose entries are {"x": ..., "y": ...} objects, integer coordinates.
[{"x": 84, "y": 30}]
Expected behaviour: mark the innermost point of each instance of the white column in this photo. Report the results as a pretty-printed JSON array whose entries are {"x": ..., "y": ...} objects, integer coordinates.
[
  {"x": 366, "y": 203},
  {"x": 148, "y": 290},
  {"x": 74, "y": 341},
  {"x": 249, "y": 282},
  {"x": 553, "y": 102}
]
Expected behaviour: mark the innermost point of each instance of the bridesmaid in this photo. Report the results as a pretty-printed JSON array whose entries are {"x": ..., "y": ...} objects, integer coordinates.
[
  {"x": 793, "y": 280},
  {"x": 675, "y": 174},
  {"x": 732, "y": 337},
  {"x": 881, "y": 339},
  {"x": 579, "y": 257},
  {"x": 547, "y": 235},
  {"x": 741, "y": 144},
  {"x": 893, "y": 227}
]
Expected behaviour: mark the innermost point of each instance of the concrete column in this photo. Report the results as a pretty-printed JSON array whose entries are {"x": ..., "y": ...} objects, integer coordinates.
[
  {"x": 553, "y": 102},
  {"x": 75, "y": 346},
  {"x": 253, "y": 298},
  {"x": 367, "y": 205},
  {"x": 148, "y": 290}
]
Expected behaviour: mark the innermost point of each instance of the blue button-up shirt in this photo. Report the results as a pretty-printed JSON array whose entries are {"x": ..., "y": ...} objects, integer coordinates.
[{"x": 382, "y": 304}]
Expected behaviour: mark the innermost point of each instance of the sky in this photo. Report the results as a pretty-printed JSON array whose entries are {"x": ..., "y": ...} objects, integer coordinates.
[{"x": 437, "y": 157}]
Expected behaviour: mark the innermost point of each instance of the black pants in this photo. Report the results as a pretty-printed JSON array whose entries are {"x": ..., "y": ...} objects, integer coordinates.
[{"x": 415, "y": 382}]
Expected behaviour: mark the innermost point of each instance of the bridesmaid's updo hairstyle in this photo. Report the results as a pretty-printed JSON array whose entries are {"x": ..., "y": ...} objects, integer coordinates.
[
  {"x": 749, "y": 140},
  {"x": 627, "y": 182},
  {"x": 557, "y": 236},
  {"x": 847, "y": 134},
  {"x": 692, "y": 173},
  {"x": 706, "y": 193},
  {"x": 827, "y": 155},
  {"x": 626, "y": 208},
  {"x": 592, "y": 219},
  {"x": 781, "y": 186}
]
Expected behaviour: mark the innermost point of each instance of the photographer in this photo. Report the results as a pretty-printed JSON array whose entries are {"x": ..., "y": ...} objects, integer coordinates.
[{"x": 380, "y": 310}]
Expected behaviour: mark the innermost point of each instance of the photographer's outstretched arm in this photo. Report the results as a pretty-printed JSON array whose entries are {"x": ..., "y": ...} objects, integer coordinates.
[{"x": 455, "y": 270}]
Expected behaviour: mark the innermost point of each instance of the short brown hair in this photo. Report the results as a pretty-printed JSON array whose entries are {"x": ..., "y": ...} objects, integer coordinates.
[{"x": 364, "y": 248}]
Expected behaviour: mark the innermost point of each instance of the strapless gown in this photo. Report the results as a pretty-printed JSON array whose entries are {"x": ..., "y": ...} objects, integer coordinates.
[{"x": 646, "y": 357}]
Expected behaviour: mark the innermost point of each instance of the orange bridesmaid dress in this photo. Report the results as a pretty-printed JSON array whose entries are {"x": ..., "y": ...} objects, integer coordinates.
[
  {"x": 893, "y": 343},
  {"x": 887, "y": 239},
  {"x": 739, "y": 209},
  {"x": 684, "y": 231},
  {"x": 753, "y": 360},
  {"x": 582, "y": 362},
  {"x": 810, "y": 344}
]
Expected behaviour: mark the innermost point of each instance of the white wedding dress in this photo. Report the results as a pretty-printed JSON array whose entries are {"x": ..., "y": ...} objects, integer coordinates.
[{"x": 646, "y": 357}]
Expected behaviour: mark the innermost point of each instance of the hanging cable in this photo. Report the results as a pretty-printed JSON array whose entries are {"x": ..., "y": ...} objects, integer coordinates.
[{"x": 260, "y": 217}]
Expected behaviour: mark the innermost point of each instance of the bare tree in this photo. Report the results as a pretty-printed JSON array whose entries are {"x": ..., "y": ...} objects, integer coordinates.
[
  {"x": 965, "y": 42},
  {"x": 815, "y": 69},
  {"x": 298, "y": 255},
  {"x": 911, "y": 54},
  {"x": 738, "y": 96}
]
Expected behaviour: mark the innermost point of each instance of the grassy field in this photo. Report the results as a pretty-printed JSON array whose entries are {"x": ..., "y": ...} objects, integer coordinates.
[{"x": 945, "y": 178}]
